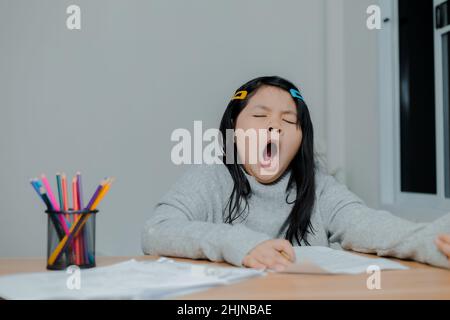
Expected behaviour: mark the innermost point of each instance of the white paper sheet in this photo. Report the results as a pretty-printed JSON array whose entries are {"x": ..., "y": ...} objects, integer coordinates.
[
  {"x": 323, "y": 260},
  {"x": 127, "y": 280}
]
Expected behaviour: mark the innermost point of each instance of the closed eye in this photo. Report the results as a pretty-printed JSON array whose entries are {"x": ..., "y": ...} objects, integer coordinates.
[
  {"x": 259, "y": 116},
  {"x": 290, "y": 122}
]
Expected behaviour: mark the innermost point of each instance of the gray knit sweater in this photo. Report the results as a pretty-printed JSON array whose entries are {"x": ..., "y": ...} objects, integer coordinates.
[{"x": 188, "y": 221}]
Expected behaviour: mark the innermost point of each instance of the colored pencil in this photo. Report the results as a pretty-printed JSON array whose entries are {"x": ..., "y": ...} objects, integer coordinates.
[
  {"x": 105, "y": 185},
  {"x": 85, "y": 233},
  {"x": 60, "y": 195},
  {"x": 49, "y": 192},
  {"x": 36, "y": 187},
  {"x": 59, "y": 230},
  {"x": 54, "y": 203},
  {"x": 64, "y": 191},
  {"x": 80, "y": 191},
  {"x": 74, "y": 206},
  {"x": 96, "y": 193},
  {"x": 65, "y": 201},
  {"x": 91, "y": 202}
]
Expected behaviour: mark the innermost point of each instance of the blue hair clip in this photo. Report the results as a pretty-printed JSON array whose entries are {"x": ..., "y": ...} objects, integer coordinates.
[{"x": 296, "y": 94}]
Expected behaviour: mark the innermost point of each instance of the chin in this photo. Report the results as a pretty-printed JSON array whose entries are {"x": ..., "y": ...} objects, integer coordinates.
[{"x": 267, "y": 177}]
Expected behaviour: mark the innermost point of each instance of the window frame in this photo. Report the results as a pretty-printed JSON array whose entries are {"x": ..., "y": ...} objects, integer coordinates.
[{"x": 391, "y": 197}]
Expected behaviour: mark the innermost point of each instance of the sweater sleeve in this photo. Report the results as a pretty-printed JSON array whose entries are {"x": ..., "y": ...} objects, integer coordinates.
[
  {"x": 182, "y": 224},
  {"x": 356, "y": 227}
]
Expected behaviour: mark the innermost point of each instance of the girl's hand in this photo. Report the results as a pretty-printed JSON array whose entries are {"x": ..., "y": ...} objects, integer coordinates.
[
  {"x": 268, "y": 255},
  {"x": 443, "y": 244}
]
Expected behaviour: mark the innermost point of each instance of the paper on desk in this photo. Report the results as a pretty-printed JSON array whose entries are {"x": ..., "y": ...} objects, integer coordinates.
[
  {"x": 323, "y": 260},
  {"x": 127, "y": 280}
]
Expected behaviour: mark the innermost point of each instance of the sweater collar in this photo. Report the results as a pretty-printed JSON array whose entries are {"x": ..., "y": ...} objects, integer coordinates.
[{"x": 272, "y": 190}]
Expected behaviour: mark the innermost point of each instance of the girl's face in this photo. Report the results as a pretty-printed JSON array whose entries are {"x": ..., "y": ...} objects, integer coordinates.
[{"x": 272, "y": 113}]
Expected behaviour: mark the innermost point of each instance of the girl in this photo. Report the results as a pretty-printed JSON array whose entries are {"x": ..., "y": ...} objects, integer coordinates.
[{"x": 253, "y": 213}]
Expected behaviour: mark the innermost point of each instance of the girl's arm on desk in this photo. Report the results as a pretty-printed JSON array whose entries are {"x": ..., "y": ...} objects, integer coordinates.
[
  {"x": 184, "y": 224},
  {"x": 356, "y": 227}
]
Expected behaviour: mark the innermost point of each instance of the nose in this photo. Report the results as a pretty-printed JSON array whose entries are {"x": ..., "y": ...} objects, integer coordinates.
[{"x": 275, "y": 130}]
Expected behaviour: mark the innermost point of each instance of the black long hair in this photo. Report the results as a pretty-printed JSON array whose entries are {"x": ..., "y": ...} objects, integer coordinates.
[{"x": 298, "y": 224}]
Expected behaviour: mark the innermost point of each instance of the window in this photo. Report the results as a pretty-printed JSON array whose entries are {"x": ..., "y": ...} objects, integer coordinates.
[
  {"x": 415, "y": 103},
  {"x": 417, "y": 100},
  {"x": 446, "y": 99}
]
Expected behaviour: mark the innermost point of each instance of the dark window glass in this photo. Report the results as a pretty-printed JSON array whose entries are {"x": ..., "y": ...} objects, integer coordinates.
[
  {"x": 417, "y": 97},
  {"x": 446, "y": 93}
]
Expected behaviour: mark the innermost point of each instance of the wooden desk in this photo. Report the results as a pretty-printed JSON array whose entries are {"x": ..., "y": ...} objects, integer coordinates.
[{"x": 420, "y": 282}]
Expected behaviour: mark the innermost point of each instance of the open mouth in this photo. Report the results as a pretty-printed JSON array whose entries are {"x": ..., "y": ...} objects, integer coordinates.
[
  {"x": 270, "y": 151},
  {"x": 269, "y": 155}
]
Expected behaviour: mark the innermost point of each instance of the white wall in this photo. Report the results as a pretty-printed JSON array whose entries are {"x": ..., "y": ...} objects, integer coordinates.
[
  {"x": 361, "y": 103},
  {"x": 104, "y": 100}
]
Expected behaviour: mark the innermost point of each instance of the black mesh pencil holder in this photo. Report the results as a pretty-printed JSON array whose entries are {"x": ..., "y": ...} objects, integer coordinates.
[{"x": 70, "y": 239}]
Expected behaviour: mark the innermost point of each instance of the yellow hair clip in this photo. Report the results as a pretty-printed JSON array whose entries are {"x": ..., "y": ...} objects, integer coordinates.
[{"x": 241, "y": 95}]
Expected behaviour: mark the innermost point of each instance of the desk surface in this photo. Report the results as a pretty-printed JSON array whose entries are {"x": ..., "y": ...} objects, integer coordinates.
[{"x": 420, "y": 282}]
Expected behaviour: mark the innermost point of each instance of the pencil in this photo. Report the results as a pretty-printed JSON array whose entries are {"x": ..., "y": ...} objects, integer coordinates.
[
  {"x": 49, "y": 192},
  {"x": 84, "y": 234},
  {"x": 91, "y": 202},
  {"x": 76, "y": 241},
  {"x": 105, "y": 185},
  {"x": 80, "y": 191},
  {"x": 64, "y": 191},
  {"x": 60, "y": 198},
  {"x": 37, "y": 185},
  {"x": 284, "y": 254},
  {"x": 96, "y": 193},
  {"x": 60, "y": 195},
  {"x": 55, "y": 221},
  {"x": 54, "y": 203},
  {"x": 34, "y": 183},
  {"x": 65, "y": 201}
]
